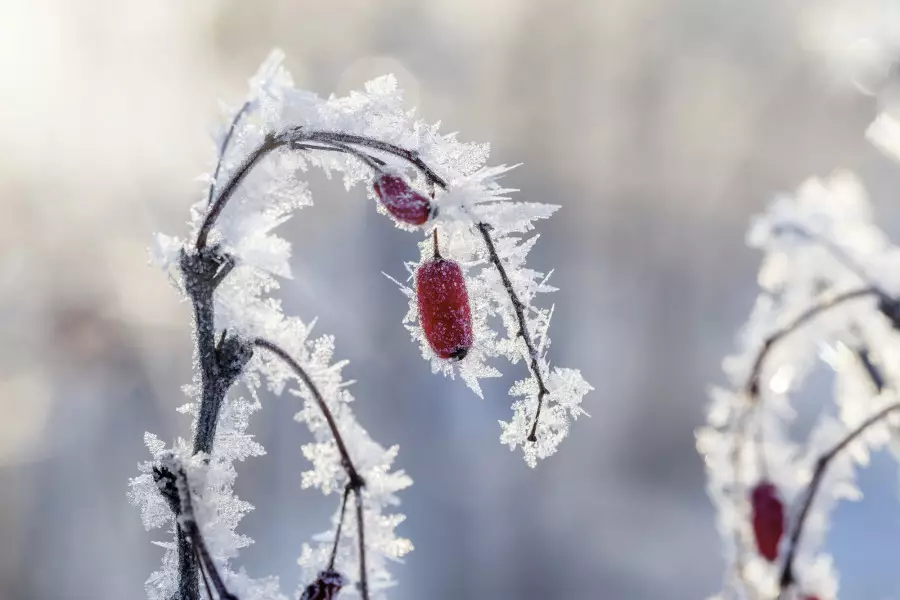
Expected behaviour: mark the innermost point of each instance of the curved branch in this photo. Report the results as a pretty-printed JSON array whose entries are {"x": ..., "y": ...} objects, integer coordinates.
[
  {"x": 408, "y": 155},
  {"x": 338, "y": 141},
  {"x": 752, "y": 386},
  {"x": 355, "y": 480},
  {"x": 295, "y": 137},
  {"x": 270, "y": 143},
  {"x": 787, "y": 573}
]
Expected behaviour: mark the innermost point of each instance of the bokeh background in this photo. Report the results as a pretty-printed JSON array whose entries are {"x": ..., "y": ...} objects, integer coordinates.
[{"x": 659, "y": 126}]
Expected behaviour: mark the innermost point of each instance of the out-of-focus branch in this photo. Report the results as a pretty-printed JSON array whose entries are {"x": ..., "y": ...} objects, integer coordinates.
[{"x": 787, "y": 572}]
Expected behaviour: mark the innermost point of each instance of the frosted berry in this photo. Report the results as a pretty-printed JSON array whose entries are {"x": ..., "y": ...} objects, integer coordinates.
[
  {"x": 768, "y": 519},
  {"x": 325, "y": 587},
  {"x": 444, "y": 307},
  {"x": 401, "y": 201}
]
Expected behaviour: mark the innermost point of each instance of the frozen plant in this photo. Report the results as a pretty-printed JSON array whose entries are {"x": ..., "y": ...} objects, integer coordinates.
[
  {"x": 471, "y": 274},
  {"x": 830, "y": 293}
]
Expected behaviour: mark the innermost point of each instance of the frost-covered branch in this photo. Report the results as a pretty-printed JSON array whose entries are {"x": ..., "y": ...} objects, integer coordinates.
[
  {"x": 806, "y": 316},
  {"x": 175, "y": 488},
  {"x": 519, "y": 309},
  {"x": 825, "y": 295},
  {"x": 230, "y": 264},
  {"x": 355, "y": 481}
]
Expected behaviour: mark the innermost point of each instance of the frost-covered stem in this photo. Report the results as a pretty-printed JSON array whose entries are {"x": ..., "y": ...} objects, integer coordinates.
[
  {"x": 355, "y": 480},
  {"x": 224, "y": 147},
  {"x": 519, "y": 309},
  {"x": 220, "y": 366},
  {"x": 370, "y": 161},
  {"x": 752, "y": 386},
  {"x": 268, "y": 145},
  {"x": 787, "y": 573},
  {"x": 408, "y": 155},
  {"x": 836, "y": 251},
  {"x": 172, "y": 475},
  {"x": 206, "y": 585},
  {"x": 295, "y": 138},
  {"x": 437, "y": 252},
  {"x": 337, "y": 533},
  {"x": 222, "y": 363},
  {"x": 361, "y": 530}
]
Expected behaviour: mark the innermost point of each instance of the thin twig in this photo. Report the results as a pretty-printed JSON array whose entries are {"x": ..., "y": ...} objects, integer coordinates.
[
  {"x": 787, "y": 573},
  {"x": 361, "y": 530},
  {"x": 224, "y": 147},
  {"x": 752, "y": 386},
  {"x": 203, "y": 574},
  {"x": 270, "y": 143},
  {"x": 519, "y": 309},
  {"x": 370, "y": 161},
  {"x": 355, "y": 481},
  {"x": 337, "y": 534},
  {"x": 408, "y": 155}
]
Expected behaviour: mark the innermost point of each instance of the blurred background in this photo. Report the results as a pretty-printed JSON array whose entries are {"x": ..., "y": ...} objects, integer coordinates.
[{"x": 659, "y": 126}]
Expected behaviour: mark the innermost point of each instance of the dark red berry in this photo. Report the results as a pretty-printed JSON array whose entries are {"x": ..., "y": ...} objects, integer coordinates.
[
  {"x": 809, "y": 597},
  {"x": 401, "y": 201},
  {"x": 444, "y": 307},
  {"x": 768, "y": 519}
]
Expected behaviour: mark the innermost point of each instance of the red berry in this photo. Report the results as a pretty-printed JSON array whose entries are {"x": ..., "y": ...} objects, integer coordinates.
[
  {"x": 809, "y": 597},
  {"x": 404, "y": 203},
  {"x": 768, "y": 519},
  {"x": 444, "y": 307}
]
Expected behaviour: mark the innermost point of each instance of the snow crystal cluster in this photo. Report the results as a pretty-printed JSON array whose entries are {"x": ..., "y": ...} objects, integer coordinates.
[
  {"x": 269, "y": 189},
  {"x": 829, "y": 283}
]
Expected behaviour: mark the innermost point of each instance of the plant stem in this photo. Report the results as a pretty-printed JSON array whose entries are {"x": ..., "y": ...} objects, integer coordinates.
[
  {"x": 337, "y": 534},
  {"x": 519, "y": 309}
]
